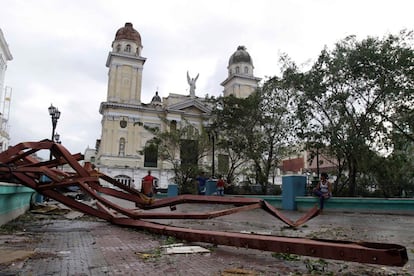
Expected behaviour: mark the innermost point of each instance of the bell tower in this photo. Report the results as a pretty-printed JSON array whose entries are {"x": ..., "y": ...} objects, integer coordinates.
[
  {"x": 240, "y": 81},
  {"x": 125, "y": 65},
  {"x": 120, "y": 139}
]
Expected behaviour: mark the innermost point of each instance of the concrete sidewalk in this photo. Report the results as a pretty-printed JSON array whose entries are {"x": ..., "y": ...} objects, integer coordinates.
[{"x": 51, "y": 244}]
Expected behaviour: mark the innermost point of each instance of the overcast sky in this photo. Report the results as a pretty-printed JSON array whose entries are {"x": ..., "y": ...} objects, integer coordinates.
[{"x": 60, "y": 49}]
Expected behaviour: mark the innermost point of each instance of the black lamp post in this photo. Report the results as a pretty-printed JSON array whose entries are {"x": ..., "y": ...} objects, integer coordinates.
[
  {"x": 212, "y": 137},
  {"x": 54, "y": 114}
]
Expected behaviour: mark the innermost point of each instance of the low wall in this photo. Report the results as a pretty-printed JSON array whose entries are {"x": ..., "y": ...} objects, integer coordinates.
[
  {"x": 15, "y": 200},
  {"x": 347, "y": 204},
  {"x": 361, "y": 204}
]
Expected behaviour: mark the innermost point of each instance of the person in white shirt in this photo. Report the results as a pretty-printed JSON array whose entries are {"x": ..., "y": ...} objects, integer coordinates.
[{"x": 323, "y": 190}]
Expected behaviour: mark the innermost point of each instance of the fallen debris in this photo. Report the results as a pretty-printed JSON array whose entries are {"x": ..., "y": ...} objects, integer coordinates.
[
  {"x": 172, "y": 245},
  {"x": 11, "y": 255},
  {"x": 43, "y": 208},
  {"x": 74, "y": 215},
  {"x": 146, "y": 256},
  {"x": 238, "y": 271},
  {"x": 266, "y": 233},
  {"x": 186, "y": 250}
]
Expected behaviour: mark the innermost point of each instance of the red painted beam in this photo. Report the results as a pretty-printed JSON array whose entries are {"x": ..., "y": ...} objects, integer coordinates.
[{"x": 373, "y": 253}]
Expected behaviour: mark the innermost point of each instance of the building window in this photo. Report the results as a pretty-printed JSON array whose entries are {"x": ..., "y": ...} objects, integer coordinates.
[
  {"x": 246, "y": 70},
  {"x": 121, "y": 147},
  {"x": 237, "y": 70},
  {"x": 128, "y": 48},
  {"x": 151, "y": 155},
  {"x": 173, "y": 125},
  {"x": 189, "y": 152},
  {"x": 118, "y": 47},
  {"x": 190, "y": 132}
]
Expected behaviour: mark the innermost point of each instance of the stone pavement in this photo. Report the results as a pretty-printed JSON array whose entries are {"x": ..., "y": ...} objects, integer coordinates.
[{"x": 54, "y": 245}]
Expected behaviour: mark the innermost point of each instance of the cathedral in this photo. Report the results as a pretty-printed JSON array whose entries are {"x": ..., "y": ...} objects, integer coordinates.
[{"x": 119, "y": 151}]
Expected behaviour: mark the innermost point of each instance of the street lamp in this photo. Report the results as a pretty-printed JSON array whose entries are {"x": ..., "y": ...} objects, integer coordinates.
[
  {"x": 54, "y": 114},
  {"x": 57, "y": 138}
]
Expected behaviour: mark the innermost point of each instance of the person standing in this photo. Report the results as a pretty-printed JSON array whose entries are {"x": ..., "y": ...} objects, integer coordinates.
[
  {"x": 323, "y": 190},
  {"x": 220, "y": 186},
  {"x": 201, "y": 181},
  {"x": 148, "y": 185}
]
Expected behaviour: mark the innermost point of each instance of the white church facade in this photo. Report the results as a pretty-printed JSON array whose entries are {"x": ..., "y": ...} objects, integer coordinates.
[{"x": 119, "y": 151}]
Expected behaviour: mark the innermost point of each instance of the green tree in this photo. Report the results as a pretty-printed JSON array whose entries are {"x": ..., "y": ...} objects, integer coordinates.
[
  {"x": 232, "y": 116},
  {"x": 259, "y": 128},
  {"x": 393, "y": 175},
  {"x": 182, "y": 148},
  {"x": 354, "y": 96}
]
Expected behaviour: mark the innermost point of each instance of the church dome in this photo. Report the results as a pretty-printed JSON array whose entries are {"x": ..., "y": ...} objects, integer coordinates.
[
  {"x": 241, "y": 55},
  {"x": 129, "y": 33},
  {"x": 156, "y": 100}
]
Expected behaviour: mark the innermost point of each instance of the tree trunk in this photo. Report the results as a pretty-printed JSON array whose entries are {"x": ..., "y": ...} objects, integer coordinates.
[{"x": 352, "y": 177}]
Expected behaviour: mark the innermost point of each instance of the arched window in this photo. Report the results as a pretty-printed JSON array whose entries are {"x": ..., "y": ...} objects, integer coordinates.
[
  {"x": 121, "y": 147},
  {"x": 246, "y": 70},
  {"x": 173, "y": 125},
  {"x": 128, "y": 48},
  {"x": 118, "y": 47},
  {"x": 151, "y": 155},
  {"x": 237, "y": 70}
]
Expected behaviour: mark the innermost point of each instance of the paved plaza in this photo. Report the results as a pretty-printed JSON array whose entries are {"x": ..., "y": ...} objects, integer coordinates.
[{"x": 53, "y": 243}]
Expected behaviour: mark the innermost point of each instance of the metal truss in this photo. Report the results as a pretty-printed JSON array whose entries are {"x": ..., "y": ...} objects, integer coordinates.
[{"x": 18, "y": 166}]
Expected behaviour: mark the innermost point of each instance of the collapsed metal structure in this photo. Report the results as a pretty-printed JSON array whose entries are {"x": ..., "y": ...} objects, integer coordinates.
[{"x": 18, "y": 166}]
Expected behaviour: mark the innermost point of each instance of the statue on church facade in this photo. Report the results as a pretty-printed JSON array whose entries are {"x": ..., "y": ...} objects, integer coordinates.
[{"x": 192, "y": 83}]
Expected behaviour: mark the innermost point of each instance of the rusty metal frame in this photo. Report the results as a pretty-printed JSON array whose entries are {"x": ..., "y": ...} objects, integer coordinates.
[{"x": 18, "y": 166}]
